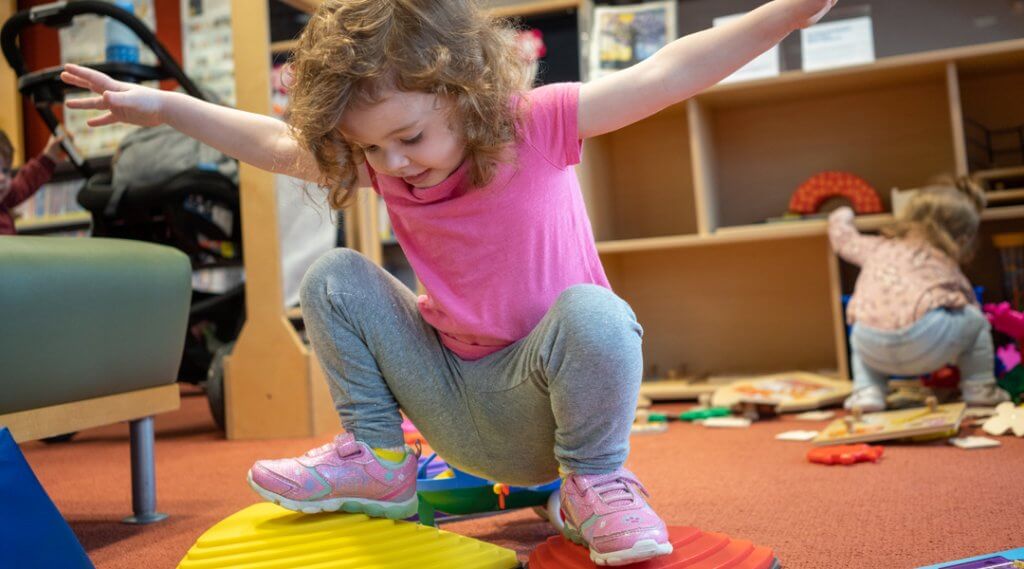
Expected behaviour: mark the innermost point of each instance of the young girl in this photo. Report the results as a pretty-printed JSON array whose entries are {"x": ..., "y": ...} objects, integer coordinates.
[
  {"x": 912, "y": 309},
  {"x": 519, "y": 363}
]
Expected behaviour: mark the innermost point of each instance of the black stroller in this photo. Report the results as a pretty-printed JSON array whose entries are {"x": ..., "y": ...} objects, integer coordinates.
[{"x": 196, "y": 211}]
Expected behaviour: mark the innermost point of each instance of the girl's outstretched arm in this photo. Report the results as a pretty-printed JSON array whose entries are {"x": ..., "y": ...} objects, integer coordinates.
[
  {"x": 846, "y": 241},
  {"x": 689, "y": 65},
  {"x": 259, "y": 140}
]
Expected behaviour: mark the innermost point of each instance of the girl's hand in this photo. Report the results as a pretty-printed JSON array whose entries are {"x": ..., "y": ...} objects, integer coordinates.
[
  {"x": 53, "y": 150},
  {"x": 125, "y": 102},
  {"x": 808, "y": 12}
]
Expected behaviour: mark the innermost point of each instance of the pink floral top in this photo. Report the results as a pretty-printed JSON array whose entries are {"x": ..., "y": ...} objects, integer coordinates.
[{"x": 900, "y": 281}]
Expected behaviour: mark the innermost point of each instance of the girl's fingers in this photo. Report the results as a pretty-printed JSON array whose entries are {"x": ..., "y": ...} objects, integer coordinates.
[
  {"x": 72, "y": 79},
  {"x": 90, "y": 103},
  {"x": 102, "y": 120},
  {"x": 97, "y": 80}
]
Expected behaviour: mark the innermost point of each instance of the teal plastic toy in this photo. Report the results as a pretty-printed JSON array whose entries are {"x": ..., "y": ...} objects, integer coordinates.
[{"x": 462, "y": 494}]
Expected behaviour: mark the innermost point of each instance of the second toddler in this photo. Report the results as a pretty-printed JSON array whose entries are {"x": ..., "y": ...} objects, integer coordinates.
[{"x": 913, "y": 311}]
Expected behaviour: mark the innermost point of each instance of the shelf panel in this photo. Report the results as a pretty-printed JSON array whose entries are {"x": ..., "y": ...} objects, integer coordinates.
[
  {"x": 770, "y": 231},
  {"x": 740, "y": 308},
  {"x": 896, "y": 70},
  {"x": 1004, "y": 196},
  {"x": 69, "y": 221}
]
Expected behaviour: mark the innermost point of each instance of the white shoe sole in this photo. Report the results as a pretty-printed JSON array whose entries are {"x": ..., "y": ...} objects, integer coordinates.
[
  {"x": 641, "y": 551},
  {"x": 372, "y": 508}
]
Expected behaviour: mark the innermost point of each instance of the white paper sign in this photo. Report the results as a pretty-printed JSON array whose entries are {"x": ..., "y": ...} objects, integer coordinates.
[
  {"x": 837, "y": 44},
  {"x": 765, "y": 65}
]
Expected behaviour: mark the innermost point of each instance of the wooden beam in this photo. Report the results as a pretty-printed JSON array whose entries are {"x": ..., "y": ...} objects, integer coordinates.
[{"x": 34, "y": 424}]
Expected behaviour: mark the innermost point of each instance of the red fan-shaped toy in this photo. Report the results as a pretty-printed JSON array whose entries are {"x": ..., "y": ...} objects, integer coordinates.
[{"x": 809, "y": 197}]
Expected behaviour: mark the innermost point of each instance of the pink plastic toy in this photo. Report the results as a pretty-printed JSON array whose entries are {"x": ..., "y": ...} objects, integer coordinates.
[
  {"x": 1006, "y": 320},
  {"x": 1009, "y": 356}
]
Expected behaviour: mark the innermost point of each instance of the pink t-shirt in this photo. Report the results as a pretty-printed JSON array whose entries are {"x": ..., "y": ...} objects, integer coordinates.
[{"x": 494, "y": 259}]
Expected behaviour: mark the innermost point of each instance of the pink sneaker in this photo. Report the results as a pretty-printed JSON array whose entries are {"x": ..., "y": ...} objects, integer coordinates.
[
  {"x": 608, "y": 513},
  {"x": 341, "y": 475}
]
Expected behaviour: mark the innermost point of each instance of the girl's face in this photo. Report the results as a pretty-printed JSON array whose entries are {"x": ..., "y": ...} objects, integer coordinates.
[{"x": 406, "y": 135}]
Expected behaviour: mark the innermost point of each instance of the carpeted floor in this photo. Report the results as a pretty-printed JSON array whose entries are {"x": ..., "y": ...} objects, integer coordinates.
[{"x": 921, "y": 504}]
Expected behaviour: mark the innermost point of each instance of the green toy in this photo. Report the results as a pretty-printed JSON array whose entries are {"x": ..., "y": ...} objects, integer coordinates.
[
  {"x": 694, "y": 415},
  {"x": 1013, "y": 383}
]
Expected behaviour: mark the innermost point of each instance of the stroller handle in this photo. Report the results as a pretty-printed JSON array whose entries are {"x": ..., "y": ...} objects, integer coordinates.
[{"x": 60, "y": 14}]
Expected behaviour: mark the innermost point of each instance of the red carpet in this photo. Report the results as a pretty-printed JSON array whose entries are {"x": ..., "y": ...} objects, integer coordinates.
[{"x": 920, "y": 504}]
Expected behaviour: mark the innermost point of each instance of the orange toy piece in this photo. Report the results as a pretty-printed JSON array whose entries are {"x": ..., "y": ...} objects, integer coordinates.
[
  {"x": 820, "y": 187},
  {"x": 845, "y": 454},
  {"x": 691, "y": 548}
]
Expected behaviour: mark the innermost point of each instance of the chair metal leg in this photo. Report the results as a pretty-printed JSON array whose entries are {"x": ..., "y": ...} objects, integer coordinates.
[{"x": 143, "y": 474}]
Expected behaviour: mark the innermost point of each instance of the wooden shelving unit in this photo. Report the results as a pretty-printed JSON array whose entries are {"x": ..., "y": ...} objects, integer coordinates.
[
  {"x": 273, "y": 384},
  {"x": 678, "y": 201}
]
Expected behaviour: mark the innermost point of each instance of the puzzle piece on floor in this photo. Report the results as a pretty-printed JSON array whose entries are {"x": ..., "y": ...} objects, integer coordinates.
[
  {"x": 815, "y": 416},
  {"x": 796, "y": 435},
  {"x": 845, "y": 454},
  {"x": 1008, "y": 418},
  {"x": 974, "y": 442},
  {"x": 691, "y": 548},
  {"x": 789, "y": 392},
  {"x": 648, "y": 428}
]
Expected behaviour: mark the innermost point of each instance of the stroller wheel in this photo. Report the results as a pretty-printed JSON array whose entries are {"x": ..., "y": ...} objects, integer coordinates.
[{"x": 215, "y": 384}]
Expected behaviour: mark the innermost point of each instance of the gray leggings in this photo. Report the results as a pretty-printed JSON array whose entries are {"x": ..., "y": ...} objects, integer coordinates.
[{"x": 563, "y": 396}]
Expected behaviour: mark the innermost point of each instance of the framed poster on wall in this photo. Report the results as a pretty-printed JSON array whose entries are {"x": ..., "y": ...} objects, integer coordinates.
[{"x": 622, "y": 36}]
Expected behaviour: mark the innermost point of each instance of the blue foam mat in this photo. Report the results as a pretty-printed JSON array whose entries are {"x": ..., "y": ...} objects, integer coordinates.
[{"x": 32, "y": 531}]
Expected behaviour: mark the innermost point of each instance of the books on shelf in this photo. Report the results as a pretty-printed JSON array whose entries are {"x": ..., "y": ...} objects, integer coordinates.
[{"x": 52, "y": 200}]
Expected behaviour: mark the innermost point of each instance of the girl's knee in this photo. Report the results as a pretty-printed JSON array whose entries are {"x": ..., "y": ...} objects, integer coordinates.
[
  {"x": 595, "y": 313},
  {"x": 332, "y": 265}
]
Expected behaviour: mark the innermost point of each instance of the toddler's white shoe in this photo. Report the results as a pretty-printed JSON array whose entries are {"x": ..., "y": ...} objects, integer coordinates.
[
  {"x": 983, "y": 393},
  {"x": 869, "y": 399}
]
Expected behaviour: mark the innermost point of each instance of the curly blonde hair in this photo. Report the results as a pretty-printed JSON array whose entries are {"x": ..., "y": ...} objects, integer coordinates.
[
  {"x": 352, "y": 51},
  {"x": 947, "y": 214}
]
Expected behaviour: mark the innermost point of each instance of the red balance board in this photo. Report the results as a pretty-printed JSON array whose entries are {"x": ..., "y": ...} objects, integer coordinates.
[{"x": 691, "y": 549}]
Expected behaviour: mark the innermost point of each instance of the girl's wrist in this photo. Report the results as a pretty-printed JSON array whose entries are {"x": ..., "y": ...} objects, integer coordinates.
[
  {"x": 165, "y": 106},
  {"x": 799, "y": 12}
]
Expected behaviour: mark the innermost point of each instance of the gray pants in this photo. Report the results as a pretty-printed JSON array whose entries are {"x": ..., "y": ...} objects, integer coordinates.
[
  {"x": 943, "y": 336},
  {"x": 562, "y": 397}
]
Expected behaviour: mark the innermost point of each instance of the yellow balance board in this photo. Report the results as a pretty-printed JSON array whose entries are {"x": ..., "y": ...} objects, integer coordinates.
[{"x": 268, "y": 536}]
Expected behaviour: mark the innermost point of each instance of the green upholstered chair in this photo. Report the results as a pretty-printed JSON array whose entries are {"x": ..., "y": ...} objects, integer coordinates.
[{"x": 91, "y": 333}]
